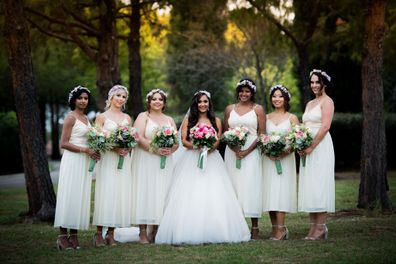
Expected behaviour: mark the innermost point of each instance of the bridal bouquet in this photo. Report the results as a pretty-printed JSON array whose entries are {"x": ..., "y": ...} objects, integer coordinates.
[
  {"x": 125, "y": 136},
  {"x": 163, "y": 137},
  {"x": 204, "y": 137},
  {"x": 273, "y": 145},
  {"x": 236, "y": 137},
  {"x": 300, "y": 137},
  {"x": 99, "y": 141}
]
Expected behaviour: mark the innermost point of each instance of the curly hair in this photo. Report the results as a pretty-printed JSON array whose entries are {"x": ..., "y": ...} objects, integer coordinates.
[
  {"x": 75, "y": 93},
  {"x": 248, "y": 83}
]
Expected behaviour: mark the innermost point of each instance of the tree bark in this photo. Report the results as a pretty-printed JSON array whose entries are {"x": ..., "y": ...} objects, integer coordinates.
[
  {"x": 261, "y": 84},
  {"x": 107, "y": 66},
  {"x": 134, "y": 60},
  {"x": 373, "y": 181},
  {"x": 303, "y": 72},
  {"x": 55, "y": 153},
  {"x": 38, "y": 181}
]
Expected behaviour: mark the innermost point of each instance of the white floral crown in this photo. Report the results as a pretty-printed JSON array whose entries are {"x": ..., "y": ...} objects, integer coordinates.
[
  {"x": 204, "y": 92},
  {"x": 280, "y": 87},
  {"x": 152, "y": 92},
  {"x": 323, "y": 73},
  {"x": 247, "y": 83},
  {"x": 76, "y": 89}
]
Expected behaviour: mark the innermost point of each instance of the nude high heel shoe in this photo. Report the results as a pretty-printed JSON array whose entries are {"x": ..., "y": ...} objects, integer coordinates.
[{"x": 285, "y": 235}]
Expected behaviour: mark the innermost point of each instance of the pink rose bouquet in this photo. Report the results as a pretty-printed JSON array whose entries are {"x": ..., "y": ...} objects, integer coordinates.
[{"x": 203, "y": 137}]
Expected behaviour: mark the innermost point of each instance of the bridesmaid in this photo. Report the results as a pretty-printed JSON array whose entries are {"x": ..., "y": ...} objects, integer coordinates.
[
  {"x": 247, "y": 180},
  {"x": 113, "y": 186},
  {"x": 150, "y": 182},
  {"x": 74, "y": 187},
  {"x": 280, "y": 191},
  {"x": 316, "y": 193}
]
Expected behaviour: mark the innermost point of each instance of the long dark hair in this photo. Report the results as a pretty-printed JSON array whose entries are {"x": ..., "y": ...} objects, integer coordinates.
[
  {"x": 75, "y": 93},
  {"x": 324, "y": 82},
  {"x": 194, "y": 113}
]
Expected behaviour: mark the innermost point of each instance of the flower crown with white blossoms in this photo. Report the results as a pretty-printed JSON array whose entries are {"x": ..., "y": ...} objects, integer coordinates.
[
  {"x": 323, "y": 73},
  {"x": 152, "y": 92},
  {"x": 76, "y": 89},
  {"x": 203, "y": 92},
  {"x": 280, "y": 87},
  {"x": 247, "y": 83}
]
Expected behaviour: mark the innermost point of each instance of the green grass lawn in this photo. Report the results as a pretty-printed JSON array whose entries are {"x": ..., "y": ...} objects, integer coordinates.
[{"x": 355, "y": 236}]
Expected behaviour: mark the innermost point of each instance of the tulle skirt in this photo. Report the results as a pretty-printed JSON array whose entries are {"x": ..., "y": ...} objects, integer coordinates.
[
  {"x": 74, "y": 192},
  {"x": 202, "y": 206}
]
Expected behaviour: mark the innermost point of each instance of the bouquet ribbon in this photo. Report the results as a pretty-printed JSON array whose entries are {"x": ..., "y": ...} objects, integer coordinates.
[
  {"x": 238, "y": 163},
  {"x": 278, "y": 166},
  {"x": 163, "y": 162},
  {"x": 203, "y": 156},
  {"x": 92, "y": 164}
]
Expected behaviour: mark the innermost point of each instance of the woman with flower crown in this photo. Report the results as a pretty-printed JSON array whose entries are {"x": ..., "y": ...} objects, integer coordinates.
[
  {"x": 113, "y": 186},
  {"x": 280, "y": 190},
  {"x": 202, "y": 206},
  {"x": 73, "y": 202},
  {"x": 150, "y": 180},
  {"x": 316, "y": 192},
  {"x": 247, "y": 180}
]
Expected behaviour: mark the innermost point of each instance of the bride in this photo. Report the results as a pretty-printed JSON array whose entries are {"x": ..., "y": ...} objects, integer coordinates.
[{"x": 202, "y": 206}]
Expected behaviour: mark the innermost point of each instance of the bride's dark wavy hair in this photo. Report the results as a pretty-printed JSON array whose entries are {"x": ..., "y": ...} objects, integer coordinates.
[{"x": 194, "y": 114}]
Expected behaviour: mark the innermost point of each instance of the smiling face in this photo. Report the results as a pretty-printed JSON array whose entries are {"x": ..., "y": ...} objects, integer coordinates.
[
  {"x": 82, "y": 101},
  {"x": 245, "y": 94},
  {"x": 156, "y": 102},
  {"x": 277, "y": 99},
  {"x": 203, "y": 104},
  {"x": 316, "y": 85},
  {"x": 119, "y": 99}
]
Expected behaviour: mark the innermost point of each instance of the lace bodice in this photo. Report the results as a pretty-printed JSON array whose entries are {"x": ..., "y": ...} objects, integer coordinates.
[
  {"x": 78, "y": 134},
  {"x": 248, "y": 119}
]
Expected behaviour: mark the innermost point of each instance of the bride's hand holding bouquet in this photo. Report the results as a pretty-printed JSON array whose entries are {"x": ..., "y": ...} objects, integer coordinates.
[
  {"x": 99, "y": 141},
  {"x": 203, "y": 137}
]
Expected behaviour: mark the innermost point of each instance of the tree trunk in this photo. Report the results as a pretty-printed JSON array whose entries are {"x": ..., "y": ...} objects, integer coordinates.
[
  {"x": 261, "y": 84},
  {"x": 373, "y": 180},
  {"x": 303, "y": 72},
  {"x": 55, "y": 153},
  {"x": 38, "y": 181},
  {"x": 107, "y": 66},
  {"x": 134, "y": 60}
]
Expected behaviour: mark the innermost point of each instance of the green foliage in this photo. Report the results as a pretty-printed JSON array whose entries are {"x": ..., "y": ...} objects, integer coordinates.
[
  {"x": 346, "y": 132},
  {"x": 197, "y": 59},
  {"x": 10, "y": 155}
]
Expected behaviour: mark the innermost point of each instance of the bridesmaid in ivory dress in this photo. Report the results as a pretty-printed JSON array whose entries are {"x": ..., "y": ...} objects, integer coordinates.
[
  {"x": 150, "y": 181},
  {"x": 316, "y": 193},
  {"x": 74, "y": 188},
  {"x": 113, "y": 186},
  {"x": 280, "y": 190},
  {"x": 247, "y": 180}
]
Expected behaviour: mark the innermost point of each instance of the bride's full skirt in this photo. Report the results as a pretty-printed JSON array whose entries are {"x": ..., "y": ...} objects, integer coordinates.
[{"x": 202, "y": 206}]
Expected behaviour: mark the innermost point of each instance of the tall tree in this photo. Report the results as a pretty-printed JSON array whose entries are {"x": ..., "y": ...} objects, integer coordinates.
[
  {"x": 91, "y": 25},
  {"x": 134, "y": 58},
  {"x": 373, "y": 179},
  {"x": 39, "y": 187}
]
